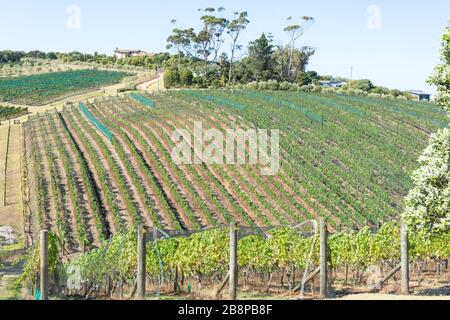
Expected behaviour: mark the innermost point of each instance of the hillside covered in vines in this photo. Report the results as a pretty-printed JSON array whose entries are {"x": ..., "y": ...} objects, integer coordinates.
[{"x": 99, "y": 167}]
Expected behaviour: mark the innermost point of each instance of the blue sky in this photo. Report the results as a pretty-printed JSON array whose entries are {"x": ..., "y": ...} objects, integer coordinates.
[{"x": 401, "y": 53}]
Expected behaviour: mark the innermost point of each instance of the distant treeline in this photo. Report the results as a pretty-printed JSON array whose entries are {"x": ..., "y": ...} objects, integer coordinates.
[
  {"x": 9, "y": 56},
  {"x": 214, "y": 56},
  {"x": 263, "y": 67}
]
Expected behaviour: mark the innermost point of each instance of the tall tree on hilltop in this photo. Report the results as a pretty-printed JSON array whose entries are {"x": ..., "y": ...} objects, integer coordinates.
[
  {"x": 297, "y": 65},
  {"x": 210, "y": 39},
  {"x": 295, "y": 31},
  {"x": 234, "y": 30},
  {"x": 181, "y": 41},
  {"x": 203, "y": 46}
]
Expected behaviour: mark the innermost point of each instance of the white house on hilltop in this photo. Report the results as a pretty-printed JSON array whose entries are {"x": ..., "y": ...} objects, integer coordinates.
[
  {"x": 420, "y": 95},
  {"x": 333, "y": 83},
  {"x": 126, "y": 53}
]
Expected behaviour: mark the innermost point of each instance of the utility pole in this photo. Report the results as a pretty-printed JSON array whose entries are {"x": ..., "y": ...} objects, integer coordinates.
[
  {"x": 157, "y": 76},
  {"x": 351, "y": 76}
]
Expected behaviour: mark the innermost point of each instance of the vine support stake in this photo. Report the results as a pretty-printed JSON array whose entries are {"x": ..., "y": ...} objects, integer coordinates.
[
  {"x": 323, "y": 259},
  {"x": 44, "y": 264},
  {"x": 404, "y": 258},
  {"x": 141, "y": 261},
  {"x": 233, "y": 272}
]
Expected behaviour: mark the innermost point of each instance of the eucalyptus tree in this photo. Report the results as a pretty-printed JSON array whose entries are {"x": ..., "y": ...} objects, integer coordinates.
[
  {"x": 182, "y": 41},
  {"x": 234, "y": 30},
  {"x": 204, "y": 45},
  {"x": 210, "y": 38},
  {"x": 294, "y": 32},
  {"x": 298, "y": 61}
]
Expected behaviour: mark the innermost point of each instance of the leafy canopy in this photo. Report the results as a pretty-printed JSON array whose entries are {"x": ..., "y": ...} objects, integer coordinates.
[{"x": 427, "y": 204}]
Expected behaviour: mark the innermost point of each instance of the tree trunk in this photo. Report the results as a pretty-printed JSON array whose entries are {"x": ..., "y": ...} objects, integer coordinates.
[
  {"x": 121, "y": 289},
  {"x": 133, "y": 292},
  {"x": 175, "y": 281},
  {"x": 270, "y": 282},
  {"x": 292, "y": 283},
  {"x": 346, "y": 273},
  {"x": 230, "y": 74}
]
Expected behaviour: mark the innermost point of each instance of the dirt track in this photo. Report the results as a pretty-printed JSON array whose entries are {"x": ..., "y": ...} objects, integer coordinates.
[
  {"x": 12, "y": 213},
  {"x": 153, "y": 85}
]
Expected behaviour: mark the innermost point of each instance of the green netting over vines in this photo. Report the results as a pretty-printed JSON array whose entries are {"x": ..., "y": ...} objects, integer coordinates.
[
  {"x": 311, "y": 115},
  {"x": 217, "y": 100},
  {"x": 225, "y": 102},
  {"x": 417, "y": 115},
  {"x": 421, "y": 113},
  {"x": 143, "y": 100},
  {"x": 100, "y": 126},
  {"x": 42, "y": 88},
  {"x": 341, "y": 106}
]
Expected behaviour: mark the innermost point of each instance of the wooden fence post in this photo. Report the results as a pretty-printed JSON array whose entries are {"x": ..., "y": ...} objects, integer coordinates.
[
  {"x": 141, "y": 264},
  {"x": 233, "y": 261},
  {"x": 44, "y": 264},
  {"x": 323, "y": 259},
  {"x": 404, "y": 258}
]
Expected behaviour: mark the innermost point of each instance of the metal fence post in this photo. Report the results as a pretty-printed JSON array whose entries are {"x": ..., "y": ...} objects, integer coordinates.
[
  {"x": 44, "y": 264},
  {"x": 141, "y": 264},
  {"x": 323, "y": 259},
  {"x": 233, "y": 261},
  {"x": 404, "y": 258}
]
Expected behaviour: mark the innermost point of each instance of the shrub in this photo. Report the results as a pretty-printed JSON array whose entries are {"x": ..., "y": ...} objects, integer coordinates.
[
  {"x": 306, "y": 88},
  {"x": 332, "y": 90},
  {"x": 374, "y": 95},
  {"x": 130, "y": 87},
  {"x": 294, "y": 87},
  {"x": 272, "y": 85},
  {"x": 316, "y": 89},
  {"x": 171, "y": 78},
  {"x": 252, "y": 85},
  {"x": 285, "y": 86},
  {"x": 262, "y": 85}
]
